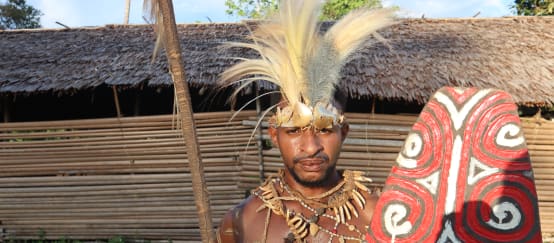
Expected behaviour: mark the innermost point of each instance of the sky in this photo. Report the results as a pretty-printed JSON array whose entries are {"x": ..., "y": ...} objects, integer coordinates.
[{"x": 81, "y": 13}]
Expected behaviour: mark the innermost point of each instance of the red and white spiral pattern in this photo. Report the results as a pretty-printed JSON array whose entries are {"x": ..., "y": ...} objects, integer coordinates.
[{"x": 463, "y": 175}]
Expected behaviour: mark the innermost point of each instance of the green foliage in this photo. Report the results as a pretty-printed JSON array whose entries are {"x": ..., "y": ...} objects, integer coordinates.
[
  {"x": 533, "y": 7},
  {"x": 42, "y": 239},
  {"x": 335, "y": 9},
  {"x": 41, "y": 235},
  {"x": 259, "y": 9},
  {"x": 117, "y": 239},
  {"x": 251, "y": 9},
  {"x": 46, "y": 135},
  {"x": 16, "y": 14},
  {"x": 64, "y": 240}
]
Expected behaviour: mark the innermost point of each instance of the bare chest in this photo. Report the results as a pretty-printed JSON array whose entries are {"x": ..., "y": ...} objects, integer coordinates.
[{"x": 316, "y": 225}]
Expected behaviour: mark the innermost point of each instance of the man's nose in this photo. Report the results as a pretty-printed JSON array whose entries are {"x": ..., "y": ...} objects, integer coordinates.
[{"x": 310, "y": 144}]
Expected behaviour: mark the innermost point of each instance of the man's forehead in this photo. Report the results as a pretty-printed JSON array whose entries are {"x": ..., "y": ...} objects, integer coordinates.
[
  {"x": 335, "y": 103},
  {"x": 286, "y": 128}
]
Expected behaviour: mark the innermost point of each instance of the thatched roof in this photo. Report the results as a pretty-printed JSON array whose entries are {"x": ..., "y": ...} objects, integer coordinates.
[{"x": 513, "y": 53}]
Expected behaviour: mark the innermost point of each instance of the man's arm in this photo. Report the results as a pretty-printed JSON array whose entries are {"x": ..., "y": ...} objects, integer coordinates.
[
  {"x": 226, "y": 231},
  {"x": 369, "y": 208},
  {"x": 232, "y": 227}
]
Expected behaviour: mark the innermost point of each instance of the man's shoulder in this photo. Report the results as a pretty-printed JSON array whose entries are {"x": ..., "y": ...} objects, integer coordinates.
[
  {"x": 249, "y": 204},
  {"x": 230, "y": 228},
  {"x": 245, "y": 210}
]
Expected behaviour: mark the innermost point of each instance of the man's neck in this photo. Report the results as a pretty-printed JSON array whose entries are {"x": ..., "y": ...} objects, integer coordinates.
[{"x": 312, "y": 191}]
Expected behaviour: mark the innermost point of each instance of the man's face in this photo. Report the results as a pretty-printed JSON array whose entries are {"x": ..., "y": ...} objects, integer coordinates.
[{"x": 309, "y": 155}]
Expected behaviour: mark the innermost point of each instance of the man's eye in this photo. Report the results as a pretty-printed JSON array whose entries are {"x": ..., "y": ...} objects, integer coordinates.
[
  {"x": 325, "y": 130},
  {"x": 293, "y": 131}
]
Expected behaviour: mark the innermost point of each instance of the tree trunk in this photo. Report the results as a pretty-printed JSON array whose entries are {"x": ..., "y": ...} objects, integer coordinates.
[{"x": 173, "y": 50}]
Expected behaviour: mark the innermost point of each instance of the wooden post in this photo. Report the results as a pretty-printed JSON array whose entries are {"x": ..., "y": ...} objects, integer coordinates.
[
  {"x": 3, "y": 108},
  {"x": 127, "y": 9},
  {"x": 6, "y": 108},
  {"x": 176, "y": 65},
  {"x": 137, "y": 103},
  {"x": 373, "y": 105},
  {"x": 116, "y": 101}
]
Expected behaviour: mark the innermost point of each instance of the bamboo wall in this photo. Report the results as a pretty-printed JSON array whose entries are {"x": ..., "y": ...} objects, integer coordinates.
[
  {"x": 540, "y": 141},
  {"x": 96, "y": 179},
  {"x": 101, "y": 178}
]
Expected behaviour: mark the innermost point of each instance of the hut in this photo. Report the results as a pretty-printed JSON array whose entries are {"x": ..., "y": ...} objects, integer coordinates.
[
  {"x": 420, "y": 56},
  {"x": 119, "y": 166}
]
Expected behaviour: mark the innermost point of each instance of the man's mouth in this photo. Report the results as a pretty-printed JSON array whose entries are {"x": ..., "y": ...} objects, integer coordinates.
[{"x": 311, "y": 165}]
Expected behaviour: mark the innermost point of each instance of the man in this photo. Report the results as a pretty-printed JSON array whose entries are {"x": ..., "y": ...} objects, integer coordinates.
[{"x": 309, "y": 200}]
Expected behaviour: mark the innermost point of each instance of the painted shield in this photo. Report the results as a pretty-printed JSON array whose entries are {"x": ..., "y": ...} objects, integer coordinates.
[{"x": 463, "y": 175}]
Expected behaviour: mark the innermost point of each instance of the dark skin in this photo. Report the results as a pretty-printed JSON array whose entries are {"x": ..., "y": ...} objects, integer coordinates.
[{"x": 309, "y": 157}]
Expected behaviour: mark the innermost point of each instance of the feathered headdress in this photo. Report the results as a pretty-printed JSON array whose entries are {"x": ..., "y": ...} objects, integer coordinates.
[{"x": 303, "y": 63}]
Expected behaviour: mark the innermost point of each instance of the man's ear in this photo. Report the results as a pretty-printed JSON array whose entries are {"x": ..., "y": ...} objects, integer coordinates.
[
  {"x": 272, "y": 131},
  {"x": 344, "y": 130}
]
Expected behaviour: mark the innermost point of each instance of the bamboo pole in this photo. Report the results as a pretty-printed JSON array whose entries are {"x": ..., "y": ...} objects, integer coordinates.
[
  {"x": 112, "y": 122},
  {"x": 116, "y": 101},
  {"x": 173, "y": 50}
]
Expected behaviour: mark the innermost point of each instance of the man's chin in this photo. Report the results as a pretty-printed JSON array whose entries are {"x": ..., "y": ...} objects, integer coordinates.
[
  {"x": 311, "y": 178},
  {"x": 311, "y": 183}
]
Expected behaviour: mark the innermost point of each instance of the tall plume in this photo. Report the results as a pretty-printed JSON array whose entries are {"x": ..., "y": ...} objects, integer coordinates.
[
  {"x": 297, "y": 58},
  {"x": 153, "y": 14}
]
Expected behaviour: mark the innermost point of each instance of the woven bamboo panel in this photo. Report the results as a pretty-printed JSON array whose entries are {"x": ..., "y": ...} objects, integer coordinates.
[
  {"x": 101, "y": 178},
  {"x": 375, "y": 140}
]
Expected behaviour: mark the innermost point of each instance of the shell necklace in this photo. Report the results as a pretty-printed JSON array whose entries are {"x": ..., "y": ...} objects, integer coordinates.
[{"x": 341, "y": 199}]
